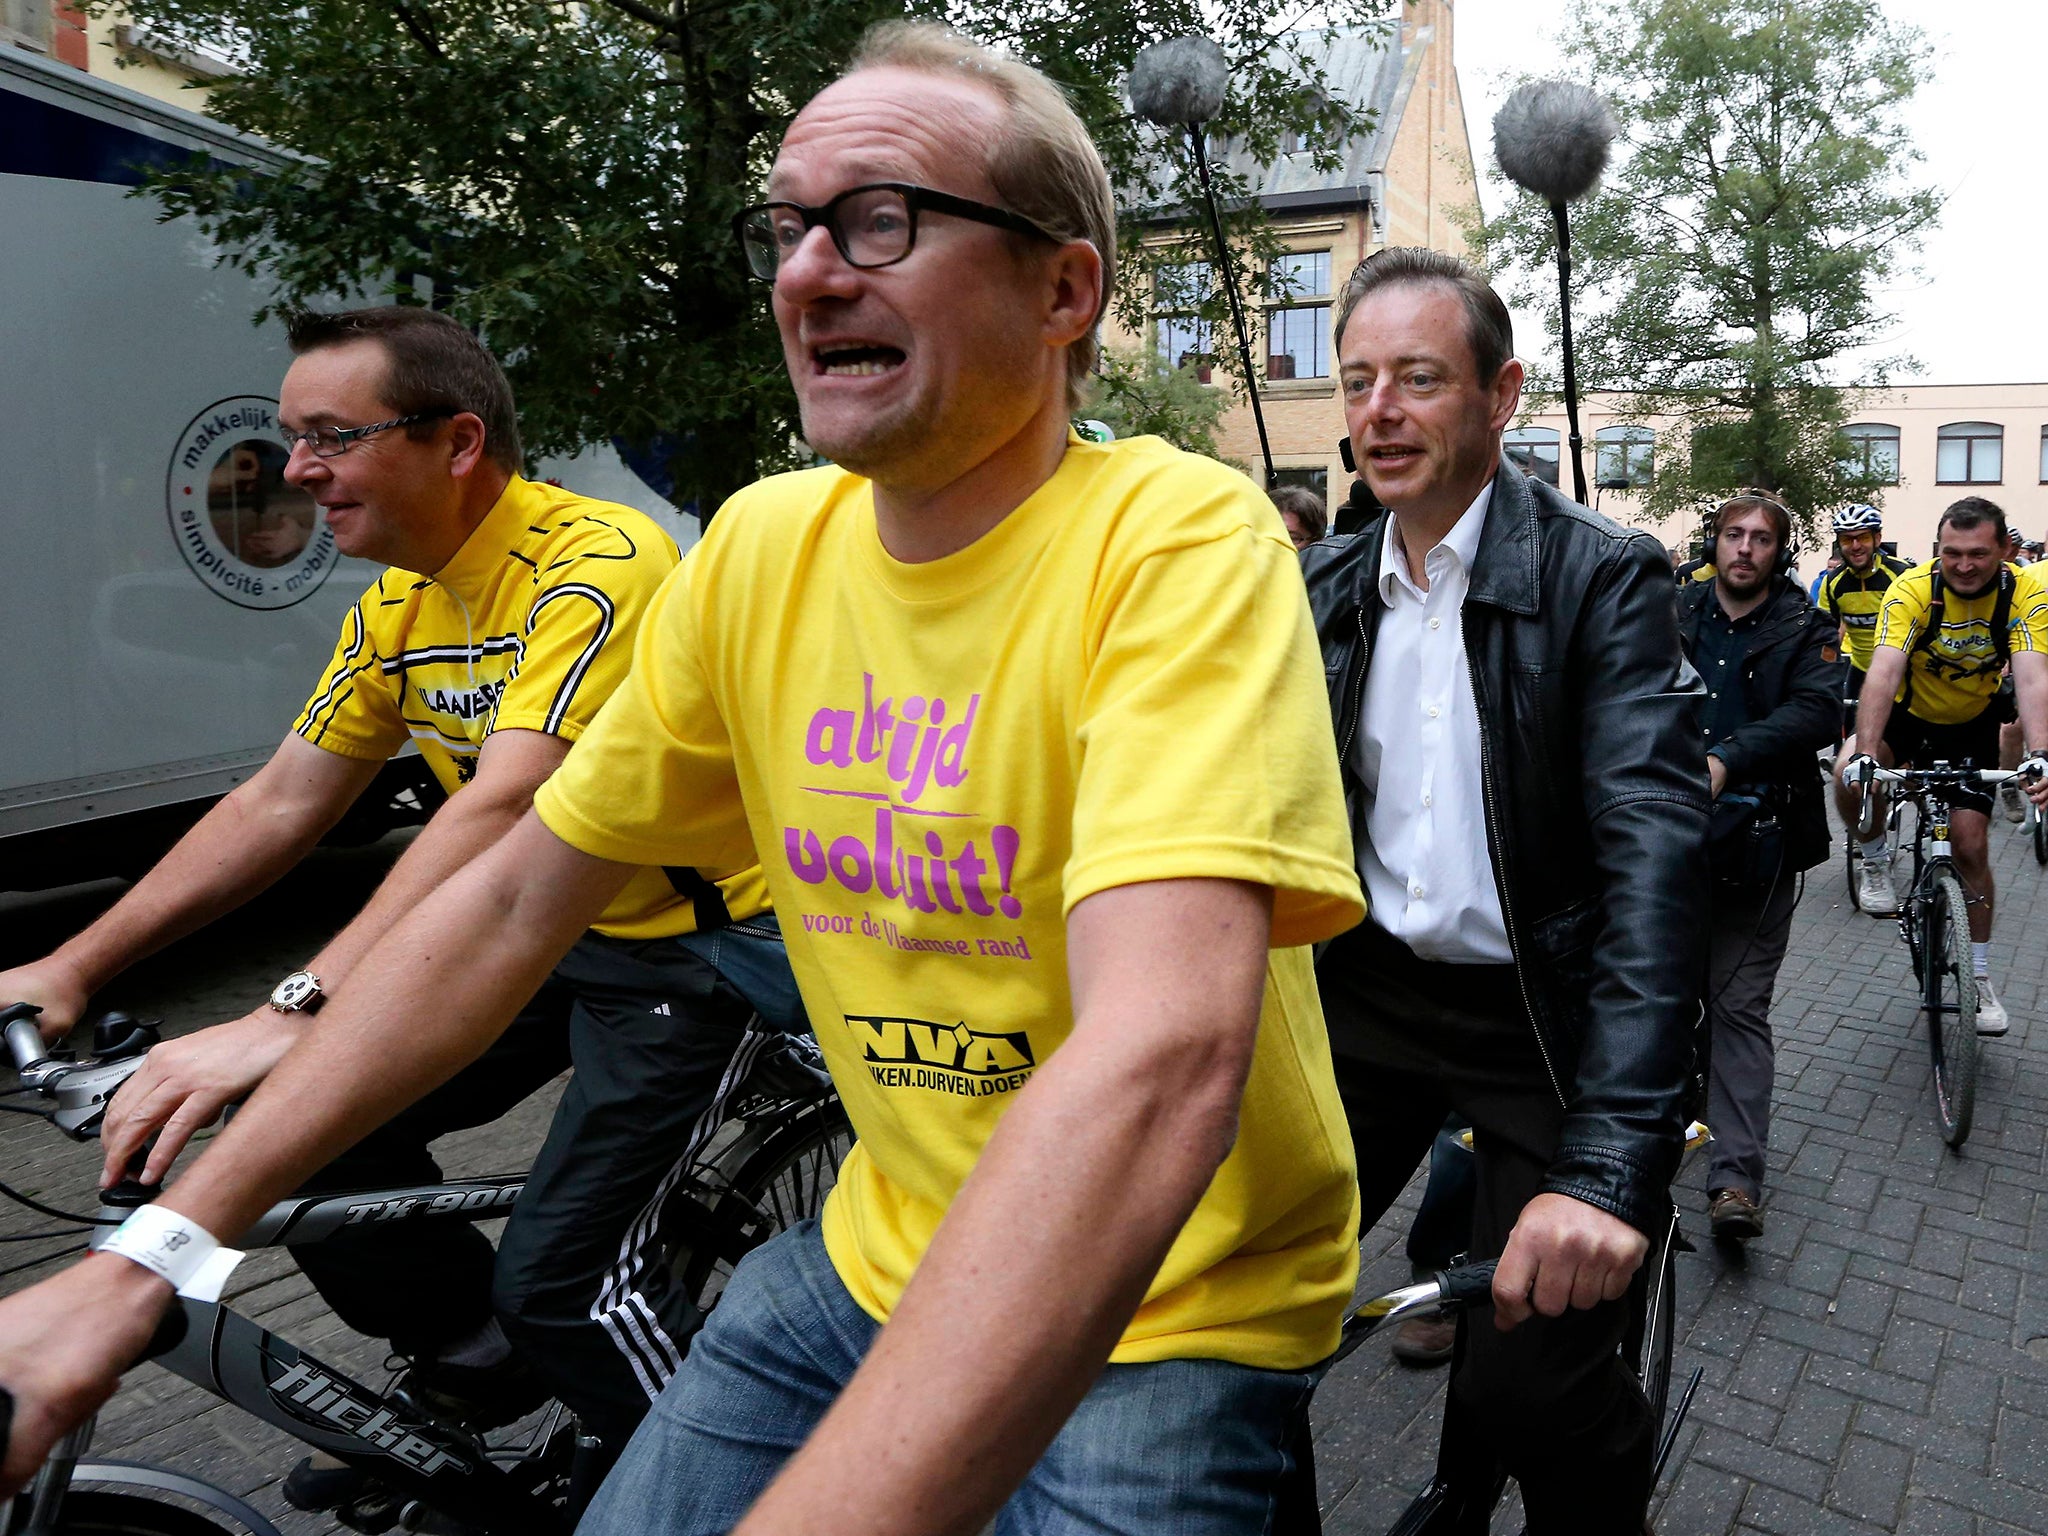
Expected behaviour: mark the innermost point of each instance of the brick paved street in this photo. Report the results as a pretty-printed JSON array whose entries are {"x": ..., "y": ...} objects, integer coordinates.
[{"x": 1880, "y": 1363}]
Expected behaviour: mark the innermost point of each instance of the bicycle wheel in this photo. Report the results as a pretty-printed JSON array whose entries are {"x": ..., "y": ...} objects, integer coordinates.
[
  {"x": 2040, "y": 829},
  {"x": 771, "y": 1178},
  {"x": 1852, "y": 858},
  {"x": 1949, "y": 990},
  {"x": 91, "y": 1513}
]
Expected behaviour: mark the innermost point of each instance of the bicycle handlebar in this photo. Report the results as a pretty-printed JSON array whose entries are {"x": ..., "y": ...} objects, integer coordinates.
[
  {"x": 80, "y": 1089},
  {"x": 24, "y": 1040},
  {"x": 1912, "y": 776},
  {"x": 1446, "y": 1290},
  {"x": 1940, "y": 775}
]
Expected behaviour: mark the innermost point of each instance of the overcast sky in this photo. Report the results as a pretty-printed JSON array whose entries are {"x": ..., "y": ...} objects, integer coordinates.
[{"x": 1976, "y": 312}]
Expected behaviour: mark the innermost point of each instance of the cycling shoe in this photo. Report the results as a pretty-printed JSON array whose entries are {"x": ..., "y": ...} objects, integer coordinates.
[{"x": 321, "y": 1484}]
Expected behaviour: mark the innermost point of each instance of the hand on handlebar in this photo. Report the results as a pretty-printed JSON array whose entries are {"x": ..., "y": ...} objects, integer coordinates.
[
  {"x": 63, "y": 1346},
  {"x": 184, "y": 1085},
  {"x": 52, "y": 987},
  {"x": 1860, "y": 770},
  {"x": 2033, "y": 774},
  {"x": 1564, "y": 1253}
]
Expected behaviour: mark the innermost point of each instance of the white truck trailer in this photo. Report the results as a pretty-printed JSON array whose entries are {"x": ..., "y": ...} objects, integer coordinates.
[{"x": 169, "y": 599}]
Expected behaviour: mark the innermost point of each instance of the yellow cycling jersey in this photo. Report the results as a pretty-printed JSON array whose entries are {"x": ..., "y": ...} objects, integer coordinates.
[
  {"x": 1851, "y": 601},
  {"x": 529, "y": 627},
  {"x": 1951, "y": 677}
]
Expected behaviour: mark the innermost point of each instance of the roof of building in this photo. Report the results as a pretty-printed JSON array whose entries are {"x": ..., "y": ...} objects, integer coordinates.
[{"x": 1363, "y": 66}]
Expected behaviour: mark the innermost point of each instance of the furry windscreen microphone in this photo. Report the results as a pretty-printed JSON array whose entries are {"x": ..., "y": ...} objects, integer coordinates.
[
  {"x": 1179, "y": 81},
  {"x": 1552, "y": 137}
]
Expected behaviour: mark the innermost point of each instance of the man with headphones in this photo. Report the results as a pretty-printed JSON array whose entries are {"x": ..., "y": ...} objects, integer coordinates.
[
  {"x": 1945, "y": 632},
  {"x": 1772, "y": 702},
  {"x": 1851, "y": 596}
]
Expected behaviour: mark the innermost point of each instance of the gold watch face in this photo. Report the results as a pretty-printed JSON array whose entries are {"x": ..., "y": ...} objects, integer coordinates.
[{"x": 295, "y": 991}]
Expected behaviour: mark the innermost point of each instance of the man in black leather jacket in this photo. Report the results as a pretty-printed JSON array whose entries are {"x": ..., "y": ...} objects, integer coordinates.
[
  {"x": 1520, "y": 749},
  {"x": 1763, "y": 650}
]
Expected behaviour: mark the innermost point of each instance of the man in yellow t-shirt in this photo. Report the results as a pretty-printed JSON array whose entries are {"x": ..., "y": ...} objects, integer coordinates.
[
  {"x": 1944, "y": 635},
  {"x": 505, "y": 622},
  {"x": 1033, "y": 739}
]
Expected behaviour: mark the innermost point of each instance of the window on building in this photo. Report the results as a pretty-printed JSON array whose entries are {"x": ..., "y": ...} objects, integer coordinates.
[
  {"x": 29, "y": 23},
  {"x": 1298, "y": 334},
  {"x": 2044, "y": 455},
  {"x": 1183, "y": 339},
  {"x": 1534, "y": 451},
  {"x": 1621, "y": 457},
  {"x": 1873, "y": 450},
  {"x": 1317, "y": 480},
  {"x": 1969, "y": 453}
]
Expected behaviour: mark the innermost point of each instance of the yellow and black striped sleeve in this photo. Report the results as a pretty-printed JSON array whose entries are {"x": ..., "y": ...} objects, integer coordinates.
[
  {"x": 588, "y": 599},
  {"x": 352, "y": 711}
]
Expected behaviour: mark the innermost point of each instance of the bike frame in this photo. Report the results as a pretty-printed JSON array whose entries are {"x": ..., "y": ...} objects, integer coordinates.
[
  {"x": 1931, "y": 850},
  {"x": 266, "y": 1375}
]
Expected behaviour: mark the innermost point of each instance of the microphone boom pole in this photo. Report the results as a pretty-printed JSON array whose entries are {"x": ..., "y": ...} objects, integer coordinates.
[
  {"x": 1179, "y": 84},
  {"x": 1244, "y": 345},
  {"x": 1564, "y": 333},
  {"x": 1552, "y": 137}
]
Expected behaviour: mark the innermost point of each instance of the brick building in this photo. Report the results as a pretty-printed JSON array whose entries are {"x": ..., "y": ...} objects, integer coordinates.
[
  {"x": 1931, "y": 443},
  {"x": 1407, "y": 180},
  {"x": 110, "y": 46}
]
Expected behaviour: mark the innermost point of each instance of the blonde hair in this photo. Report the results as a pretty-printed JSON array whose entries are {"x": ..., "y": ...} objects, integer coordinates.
[{"x": 1044, "y": 165}]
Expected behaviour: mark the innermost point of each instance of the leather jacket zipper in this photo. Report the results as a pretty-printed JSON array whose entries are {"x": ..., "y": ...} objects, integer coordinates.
[
  {"x": 1498, "y": 847},
  {"x": 1358, "y": 693}
]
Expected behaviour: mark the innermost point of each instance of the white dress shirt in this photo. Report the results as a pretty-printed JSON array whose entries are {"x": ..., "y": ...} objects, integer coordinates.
[{"x": 1422, "y": 854}]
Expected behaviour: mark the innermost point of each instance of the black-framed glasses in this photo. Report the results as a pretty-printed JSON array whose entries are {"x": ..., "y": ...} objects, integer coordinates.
[
  {"x": 326, "y": 442},
  {"x": 872, "y": 226}
]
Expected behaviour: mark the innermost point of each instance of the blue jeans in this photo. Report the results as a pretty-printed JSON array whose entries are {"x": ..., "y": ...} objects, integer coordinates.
[
  {"x": 1188, "y": 1447},
  {"x": 749, "y": 954}
]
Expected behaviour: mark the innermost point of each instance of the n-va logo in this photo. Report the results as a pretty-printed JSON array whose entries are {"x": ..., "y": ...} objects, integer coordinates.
[{"x": 885, "y": 1041}]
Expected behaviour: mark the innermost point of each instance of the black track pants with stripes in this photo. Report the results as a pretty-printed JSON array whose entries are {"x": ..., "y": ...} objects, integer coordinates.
[{"x": 657, "y": 1036}]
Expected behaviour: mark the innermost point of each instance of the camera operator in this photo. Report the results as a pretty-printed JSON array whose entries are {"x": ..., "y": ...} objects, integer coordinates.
[{"x": 1772, "y": 703}]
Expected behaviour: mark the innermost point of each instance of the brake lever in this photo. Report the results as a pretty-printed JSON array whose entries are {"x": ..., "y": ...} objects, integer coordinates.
[{"x": 82, "y": 1092}]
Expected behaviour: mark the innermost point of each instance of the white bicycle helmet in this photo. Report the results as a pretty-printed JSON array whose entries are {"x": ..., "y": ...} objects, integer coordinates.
[{"x": 1856, "y": 518}]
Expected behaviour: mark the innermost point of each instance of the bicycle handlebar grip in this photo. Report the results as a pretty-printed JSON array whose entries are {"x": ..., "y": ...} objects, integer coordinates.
[
  {"x": 1468, "y": 1283},
  {"x": 24, "y": 1040}
]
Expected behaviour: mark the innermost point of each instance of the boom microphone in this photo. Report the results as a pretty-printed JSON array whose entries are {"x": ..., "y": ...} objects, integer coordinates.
[
  {"x": 1552, "y": 137},
  {"x": 1179, "y": 82}
]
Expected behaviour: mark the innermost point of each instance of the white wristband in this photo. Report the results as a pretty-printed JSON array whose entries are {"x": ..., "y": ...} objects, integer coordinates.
[{"x": 177, "y": 1248}]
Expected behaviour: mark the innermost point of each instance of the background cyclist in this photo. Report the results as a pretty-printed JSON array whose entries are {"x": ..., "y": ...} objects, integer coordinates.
[
  {"x": 493, "y": 663},
  {"x": 1851, "y": 594},
  {"x": 1945, "y": 632}
]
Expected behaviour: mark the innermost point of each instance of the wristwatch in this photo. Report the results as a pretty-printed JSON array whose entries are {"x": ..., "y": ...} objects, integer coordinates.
[{"x": 298, "y": 993}]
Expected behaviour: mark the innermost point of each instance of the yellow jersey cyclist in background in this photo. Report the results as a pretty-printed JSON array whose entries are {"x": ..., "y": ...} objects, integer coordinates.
[
  {"x": 1850, "y": 597},
  {"x": 1945, "y": 632}
]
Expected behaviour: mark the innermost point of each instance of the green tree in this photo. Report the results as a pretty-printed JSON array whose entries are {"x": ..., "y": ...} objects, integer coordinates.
[
  {"x": 1762, "y": 193},
  {"x": 1141, "y": 394},
  {"x": 566, "y": 174}
]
